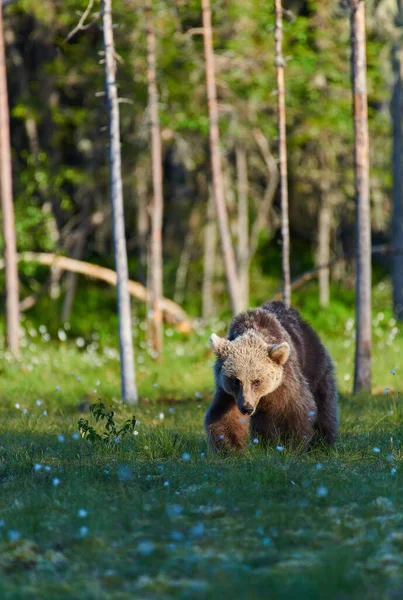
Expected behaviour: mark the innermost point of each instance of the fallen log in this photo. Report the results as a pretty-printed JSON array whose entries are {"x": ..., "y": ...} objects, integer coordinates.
[{"x": 173, "y": 313}]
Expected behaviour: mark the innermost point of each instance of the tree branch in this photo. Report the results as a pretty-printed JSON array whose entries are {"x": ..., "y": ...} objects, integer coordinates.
[{"x": 80, "y": 25}]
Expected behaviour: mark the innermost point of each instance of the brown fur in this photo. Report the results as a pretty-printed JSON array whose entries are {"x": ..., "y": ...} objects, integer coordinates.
[{"x": 274, "y": 379}]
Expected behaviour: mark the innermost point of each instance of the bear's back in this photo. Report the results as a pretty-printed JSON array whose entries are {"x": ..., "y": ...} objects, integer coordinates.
[{"x": 313, "y": 357}]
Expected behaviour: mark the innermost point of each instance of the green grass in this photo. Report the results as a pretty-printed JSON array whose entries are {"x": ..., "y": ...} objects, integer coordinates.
[{"x": 165, "y": 518}]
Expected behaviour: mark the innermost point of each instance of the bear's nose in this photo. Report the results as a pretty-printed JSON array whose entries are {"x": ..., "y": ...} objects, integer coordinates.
[{"x": 247, "y": 409}]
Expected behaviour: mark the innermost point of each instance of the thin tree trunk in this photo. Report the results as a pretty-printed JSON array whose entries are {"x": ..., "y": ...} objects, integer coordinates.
[
  {"x": 218, "y": 183},
  {"x": 397, "y": 211},
  {"x": 158, "y": 200},
  {"x": 142, "y": 222},
  {"x": 186, "y": 255},
  {"x": 324, "y": 248},
  {"x": 243, "y": 225},
  {"x": 70, "y": 283},
  {"x": 285, "y": 234},
  {"x": 362, "y": 378},
  {"x": 129, "y": 390},
  {"x": 263, "y": 210},
  {"x": 210, "y": 244},
  {"x": 7, "y": 207}
]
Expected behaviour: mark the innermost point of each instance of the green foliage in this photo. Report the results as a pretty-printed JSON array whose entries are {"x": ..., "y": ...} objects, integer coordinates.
[{"x": 112, "y": 433}]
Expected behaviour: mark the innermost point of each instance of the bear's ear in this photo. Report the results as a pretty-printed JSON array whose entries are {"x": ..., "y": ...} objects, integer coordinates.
[
  {"x": 280, "y": 353},
  {"x": 219, "y": 345}
]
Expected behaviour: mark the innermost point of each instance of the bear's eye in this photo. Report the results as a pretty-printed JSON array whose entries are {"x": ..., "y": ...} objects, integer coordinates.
[
  {"x": 256, "y": 383},
  {"x": 235, "y": 381}
]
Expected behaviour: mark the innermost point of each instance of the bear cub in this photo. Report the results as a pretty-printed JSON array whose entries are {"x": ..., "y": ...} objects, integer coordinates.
[{"x": 274, "y": 379}]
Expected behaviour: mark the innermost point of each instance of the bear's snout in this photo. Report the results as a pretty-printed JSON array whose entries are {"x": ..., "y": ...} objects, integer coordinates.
[{"x": 247, "y": 409}]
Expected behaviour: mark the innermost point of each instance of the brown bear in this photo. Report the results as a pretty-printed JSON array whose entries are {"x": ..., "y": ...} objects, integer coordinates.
[{"x": 274, "y": 379}]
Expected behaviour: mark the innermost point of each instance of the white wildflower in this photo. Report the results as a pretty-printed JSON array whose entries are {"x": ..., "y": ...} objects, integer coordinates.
[
  {"x": 145, "y": 548},
  {"x": 83, "y": 531},
  {"x": 321, "y": 491}
]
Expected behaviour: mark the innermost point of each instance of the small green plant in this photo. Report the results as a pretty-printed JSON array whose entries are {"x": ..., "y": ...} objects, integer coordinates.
[{"x": 111, "y": 432}]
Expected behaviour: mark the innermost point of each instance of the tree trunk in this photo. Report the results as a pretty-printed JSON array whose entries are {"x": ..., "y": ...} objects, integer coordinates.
[
  {"x": 397, "y": 210},
  {"x": 243, "y": 225},
  {"x": 285, "y": 234},
  {"x": 7, "y": 207},
  {"x": 142, "y": 222},
  {"x": 210, "y": 244},
  {"x": 324, "y": 222},
  {"x": 218, "y": 183},
  {"x": 362, "y": 378},
  {"x": 262, "y": 220},
  {"x": 186, "y": 255},
  {"x": 157, "y": 201},
  {"x": 70, "y": 283},
  {"x": 129, "y": 390}
]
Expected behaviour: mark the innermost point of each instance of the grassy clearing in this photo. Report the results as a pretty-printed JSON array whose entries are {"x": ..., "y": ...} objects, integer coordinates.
[{"x": 157, "y": 516}]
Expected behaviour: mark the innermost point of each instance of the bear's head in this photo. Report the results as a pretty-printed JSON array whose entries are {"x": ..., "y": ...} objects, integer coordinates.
[{"x": 251, "y": 368}]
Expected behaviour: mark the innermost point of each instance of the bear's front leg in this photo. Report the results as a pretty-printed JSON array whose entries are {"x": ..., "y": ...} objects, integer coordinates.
[{"x": 225, "y": 426}]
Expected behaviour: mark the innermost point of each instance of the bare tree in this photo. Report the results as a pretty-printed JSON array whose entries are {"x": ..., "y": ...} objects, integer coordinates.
[
  {"x": 324, "y": 224},
  {"x": 129, "y": 390},
  {"x": 218, "y": 183},
  {"x": 397, "y": 213},
  {"x": 158, "y": 200},
  {"x": 7, "y": 207},
  {"x": 142, "y": 220},
  {"x": 362, "y": 378},
  {"x": 285, "y": 233},
  {"x": 210, "y": 244},
  {"x": 243, "y": 224}
]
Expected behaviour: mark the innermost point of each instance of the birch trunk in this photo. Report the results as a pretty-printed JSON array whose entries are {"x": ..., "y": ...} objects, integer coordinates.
[
  {"x": 285, "y": 234},
  {"x": 157, "y": 201},
  {"x": 7, "y": 208},
  {"x": 324, "y": 223},
  {"x": 210, "y": 244},
  {"x": 218, "y": 183},
  {"x": 129, "y": 390},
  {"x": 362, "y": 377},
  {"x": 397, "y": 210},
  {"x": 243, "y": 225}
]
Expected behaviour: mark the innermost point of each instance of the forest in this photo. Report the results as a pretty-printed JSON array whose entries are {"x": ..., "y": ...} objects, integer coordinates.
[{"x": 164, "y": 166}]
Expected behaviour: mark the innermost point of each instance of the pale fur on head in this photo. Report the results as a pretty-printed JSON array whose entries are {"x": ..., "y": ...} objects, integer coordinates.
[{"x": 251, "y": 368}]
